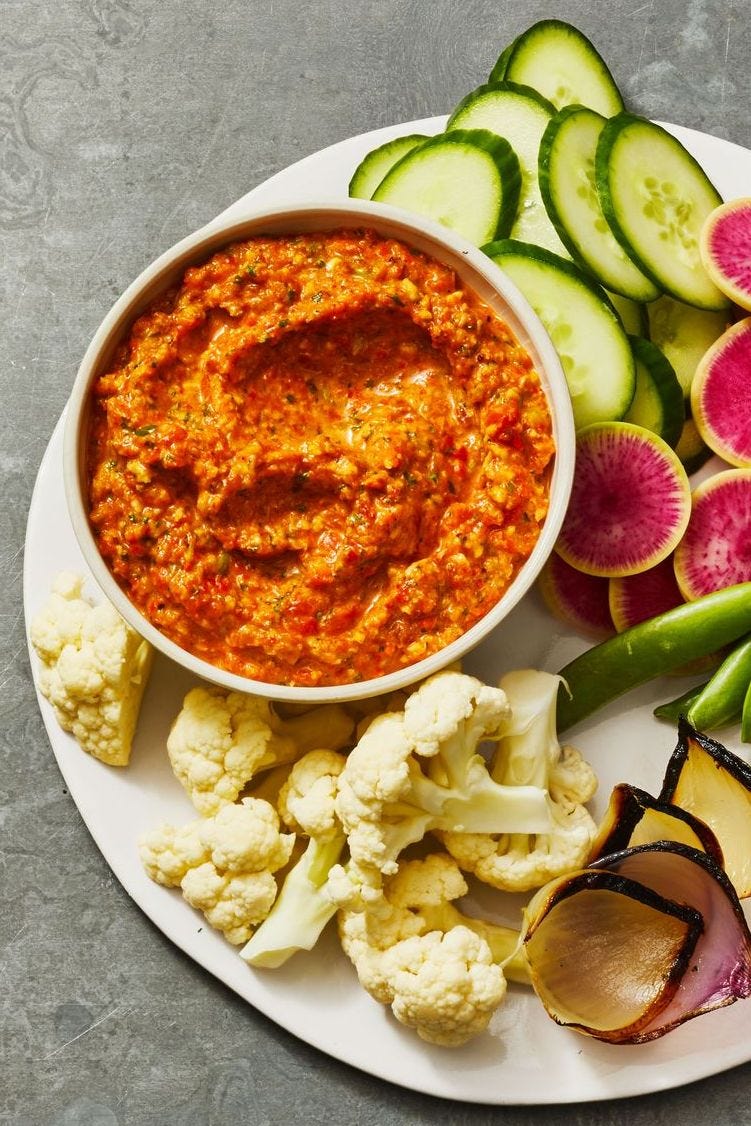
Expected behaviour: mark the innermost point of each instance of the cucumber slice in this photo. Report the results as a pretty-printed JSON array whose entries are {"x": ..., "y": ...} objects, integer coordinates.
[
  {"x": 691, "y": 448},
  {"x": 372, "y": 168},
  {"x": 468, "y": 180},
  {"x": 559, "y": 61},
  {"x": 521, "y": 115},
  {"x": 498, "y": 73},
  {"x": 634, "y": 316},
  {"x": 569, "y": 191},
  {"x": 584, "y": 327},
  {"x": 658, "y": 400},
  {"x": 656, "y": 197},
  {"x": 684, "y": 334}
]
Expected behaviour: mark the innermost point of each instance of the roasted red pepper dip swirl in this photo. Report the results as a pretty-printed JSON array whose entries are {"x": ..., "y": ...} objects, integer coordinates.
[{"x": 318, "y": 459}]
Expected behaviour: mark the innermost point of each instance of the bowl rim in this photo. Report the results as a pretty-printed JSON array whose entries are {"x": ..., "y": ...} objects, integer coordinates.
[{"x": 434, "y": 239}]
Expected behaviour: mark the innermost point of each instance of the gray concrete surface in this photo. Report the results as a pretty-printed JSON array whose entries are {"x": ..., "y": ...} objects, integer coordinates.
[{"x": 125, "y": 124}]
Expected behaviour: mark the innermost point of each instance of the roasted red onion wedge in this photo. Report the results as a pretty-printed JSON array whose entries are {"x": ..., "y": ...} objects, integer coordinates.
[
  {"x": 712, "y": 783},
  {"x": 660, "y": 931},
  {"x": 634, "y": 817},
  {"x": 720, "y": 967},
  {"x": 607, "y": 955}
]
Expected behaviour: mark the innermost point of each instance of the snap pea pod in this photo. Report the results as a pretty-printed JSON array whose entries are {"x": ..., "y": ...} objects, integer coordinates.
[
  {"x": 721, "y": 701},
  {"x": 746, "y": 718},
  {"x": 652, "y": 648},
  {"x": 673, "y": 709}
]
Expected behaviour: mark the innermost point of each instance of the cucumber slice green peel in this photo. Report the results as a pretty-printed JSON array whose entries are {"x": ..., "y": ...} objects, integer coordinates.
[
  {"x": 558, "y": 60},
  {"x": 691, "y": 448},
  {"x": 634, "y": 316},
  {"x": 521, "y": 115},
  {"x": 684, "y": 334},
  {"x": 656, "y": 198},
  {"x": 373, "y": 167},
  {"x": 569, "y": 191},
  {"x": 498, "y": 73},
  {"x": 468, "y": 180},
  {"x": 584, "y": 327},
  {"x": 658, "y": 402}
]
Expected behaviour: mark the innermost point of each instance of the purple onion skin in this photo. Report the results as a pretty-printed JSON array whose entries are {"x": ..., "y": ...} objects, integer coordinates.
[{"x": 719, "y": 972}]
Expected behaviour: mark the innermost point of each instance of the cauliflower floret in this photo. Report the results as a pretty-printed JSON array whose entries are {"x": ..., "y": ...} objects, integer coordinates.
[
  {"x": 419, "y": 769},
  {"x": 410, "y": 903},
  {"x": 304, "y": 907},
  {"x": 307, "y": 799},
  {"x": 415, "y": 951},
  {"x": 93, "y": 671},
  {"x": 221, "y": 740},
  {"x": 529, "y": 752},
  {"x": 224, "y": 864},
  {"x": 445, "y": 986}
]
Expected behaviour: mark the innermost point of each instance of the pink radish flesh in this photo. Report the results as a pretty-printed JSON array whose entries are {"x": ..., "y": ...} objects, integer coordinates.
[
  {"x": 579, "y": 600},
  {"x": 721, "y": 395},
  {"x": 726, "y": 250},
  {"x": 716, "y": 550},
  {"x": 636, "y": 598},
  {"x": 629, "y": 504}
]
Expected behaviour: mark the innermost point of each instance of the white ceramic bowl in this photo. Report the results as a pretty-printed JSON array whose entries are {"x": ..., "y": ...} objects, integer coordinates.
[{"x": 476, "y": 271}]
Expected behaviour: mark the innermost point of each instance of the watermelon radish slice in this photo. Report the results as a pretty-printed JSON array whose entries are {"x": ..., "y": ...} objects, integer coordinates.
[
  {"x": 721, "y": 395},
  {"x": 630, "y": 501},
  {"x": 725, "y": 250},
  {"x": 636, "y": 598},
  {"x": 715, "y": 552},
  {"x": 579, "y": 600}
]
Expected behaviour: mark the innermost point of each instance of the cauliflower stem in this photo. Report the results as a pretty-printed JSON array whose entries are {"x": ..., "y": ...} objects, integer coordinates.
[
  {"x": 420, "y": 770},
  {"x": 529, "y": 754},
  {"x": 306, "y": 805},
  {"x": 301, "y": 911}
]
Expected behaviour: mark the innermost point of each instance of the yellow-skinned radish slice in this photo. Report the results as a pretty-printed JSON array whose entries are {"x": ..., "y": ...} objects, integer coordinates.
[
  {"x": 579, "y": 600},
  {"x": 629, "y": 505},
  {"x": 721, "y": 395},
  {"x": 725, "y": 248},
  {"x": 715, "y": 551}
]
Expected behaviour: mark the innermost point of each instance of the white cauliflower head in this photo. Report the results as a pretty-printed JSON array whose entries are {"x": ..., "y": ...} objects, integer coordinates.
[
  {"x": 414, "y": 950},
  {"x": 224, "y": 864},
  {"x": 529, "y": 753},
  {"x": 94, "y": 669},
  {"x": 307, "y": 800},
  {"x": 445, "y": 986},
  {"x": 420, "y": 769},
  {"x": 221, "y": 740}
]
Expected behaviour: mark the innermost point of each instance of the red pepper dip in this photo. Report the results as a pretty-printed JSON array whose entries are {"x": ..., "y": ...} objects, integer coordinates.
[{"x": 318, "y": 459}]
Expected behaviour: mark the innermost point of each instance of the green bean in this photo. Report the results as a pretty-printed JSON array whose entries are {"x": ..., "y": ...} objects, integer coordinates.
[
  {"x": 721, "y": 701},
  {"x": 652, "y": 648},
  {"x": 673, "y": 709}
]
